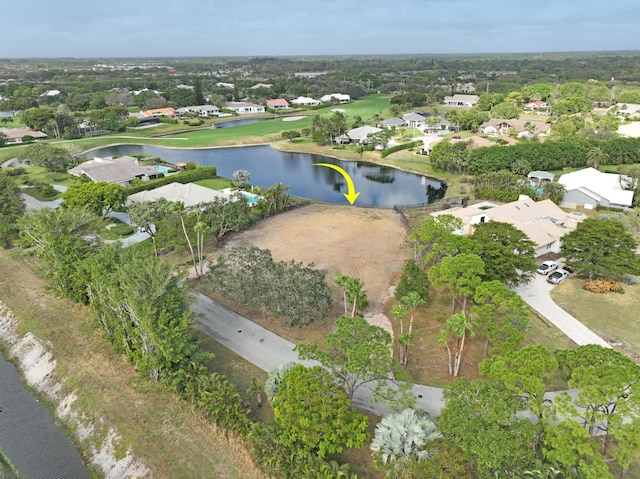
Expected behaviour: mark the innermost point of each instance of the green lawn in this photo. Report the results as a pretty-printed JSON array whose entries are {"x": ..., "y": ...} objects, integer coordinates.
[
  {"x": 612, "y": 316},
  {"x": 119, "y": 229},
  {"x": 218, "y": 183}
]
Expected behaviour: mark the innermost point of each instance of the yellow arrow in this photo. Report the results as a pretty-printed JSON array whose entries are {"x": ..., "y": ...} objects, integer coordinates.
[{"x": 351, "y": 194}]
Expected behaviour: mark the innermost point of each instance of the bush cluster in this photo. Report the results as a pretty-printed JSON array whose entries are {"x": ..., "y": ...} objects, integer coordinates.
[
  {"x": 603, "y": 285},
  {"x": 17, "y": 171},
  {"x": 188, "y": 176},
  {"x": 405, "y": 146}
]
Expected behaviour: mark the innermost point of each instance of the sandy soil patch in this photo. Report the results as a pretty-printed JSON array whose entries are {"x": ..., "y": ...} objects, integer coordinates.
[
  {"x": 367, "y": 243},
  {"x": 338, "y": 110},
  {"x": 293, "y": 118}
]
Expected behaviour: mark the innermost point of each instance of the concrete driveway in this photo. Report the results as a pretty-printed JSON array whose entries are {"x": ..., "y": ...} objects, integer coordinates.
[{"x": 537, "y": 295}]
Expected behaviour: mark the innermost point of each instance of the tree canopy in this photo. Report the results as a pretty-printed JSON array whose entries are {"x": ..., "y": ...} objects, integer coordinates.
[
  {"x": 600, "y": 247},
  {"x": 12, "y": 207}
]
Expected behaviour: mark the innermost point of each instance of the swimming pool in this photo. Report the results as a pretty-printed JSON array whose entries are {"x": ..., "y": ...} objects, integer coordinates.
[
  {"x": 251, "y": 199},
  {"x": 162, "y": 169}
]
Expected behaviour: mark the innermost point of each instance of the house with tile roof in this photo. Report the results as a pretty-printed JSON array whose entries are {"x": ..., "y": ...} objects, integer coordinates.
[
  {"x": 537, "y": 106},
  {"x": 15, "y": 135},
  {"x": 542, "y": 221},
  {"x": 200, "y": 110},
  {"x": 278, "y": 104},
  {"x": 358, "y": 135},
  {"x": 159, "y": 112},
  {"x": 122, "y": 170},
  {"x": 305, "y": 101},
  {"x": 521, "y": 128},
  {"x": 188, "y": 194}
]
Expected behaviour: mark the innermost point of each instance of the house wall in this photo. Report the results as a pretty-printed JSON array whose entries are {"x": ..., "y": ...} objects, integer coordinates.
[
  {"x": 579, "y": 198},
  {"x": 548, "y": 248}
]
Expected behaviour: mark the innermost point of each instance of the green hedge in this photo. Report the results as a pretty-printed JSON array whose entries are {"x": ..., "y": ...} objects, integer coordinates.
[
  {"x": 188, "y": 176},
  {"x": 404, "y": 146}
]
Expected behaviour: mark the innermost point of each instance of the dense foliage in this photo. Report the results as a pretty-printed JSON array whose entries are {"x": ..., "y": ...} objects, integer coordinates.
[{"x": 288, "y": 290}]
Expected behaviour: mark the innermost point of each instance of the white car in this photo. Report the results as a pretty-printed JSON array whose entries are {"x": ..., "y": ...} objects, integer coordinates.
[
  {"x": 558, "y": 276},
  {"x": 547, "y": 267}
]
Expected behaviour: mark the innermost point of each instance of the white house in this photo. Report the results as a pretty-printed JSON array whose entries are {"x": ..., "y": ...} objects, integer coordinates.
[
  {"x": 244, "y": 108},
  {"x": 358, "y": 135},
  {"x": 590, "y": 188},
  {"x": 201, "y": 110},
  {"x": 414, "y": 120},
  {"x": 542, "y": 221},
  {"x": 305, "y": 101},
  {"x": 189, "y": 194},
  {"x": 340, "y": 98},
  {"x": 461, "y": 100}
]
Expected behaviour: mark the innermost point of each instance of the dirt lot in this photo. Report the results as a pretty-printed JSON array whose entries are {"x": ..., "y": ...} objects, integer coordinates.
[{"x": 366, "y": 243}]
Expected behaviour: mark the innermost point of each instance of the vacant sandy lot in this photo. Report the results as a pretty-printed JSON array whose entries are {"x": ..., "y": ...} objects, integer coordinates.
[{"x": 367, "y": 243}]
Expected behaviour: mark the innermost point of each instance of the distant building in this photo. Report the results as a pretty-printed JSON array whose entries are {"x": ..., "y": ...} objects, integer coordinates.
[
  {"x": 201, "y": 110},
  {"x": 305, "y": 101},
  {"x": 278, "y": 104},
  {"x": 537, "y": 106},
  {"x": 339, "y": 97},
  {"x": 15, "y": 135},
  {"x": 309, "y": 74},
  {"x": 358, "y": 135},
  {"x": 461, "y": 100},
  {"x": 261, "y": 85},
  {"x": 244, "y": 108},
  {"x": 158, "y": 112}
]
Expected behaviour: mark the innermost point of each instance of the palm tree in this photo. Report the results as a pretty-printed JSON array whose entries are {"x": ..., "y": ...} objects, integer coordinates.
[
  {"x": 597, "y": 157},
  {"x": 401, "y": 438},
  {"x": 460, "y": 326},
  {"x": 399, "y": 311},
  {"x": 413, "y": 301}
]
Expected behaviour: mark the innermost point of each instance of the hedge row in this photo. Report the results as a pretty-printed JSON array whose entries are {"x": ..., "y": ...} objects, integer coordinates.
[
  {"x": 188, "y": 176},
  {"x": 404, "y": 146}
]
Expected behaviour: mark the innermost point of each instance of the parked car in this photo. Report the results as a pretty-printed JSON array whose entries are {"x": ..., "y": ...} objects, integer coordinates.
[
  {"x": 456, "y": 137},
  {"x": 547, "y": 267},
  {"x": 558, "y": 276}
]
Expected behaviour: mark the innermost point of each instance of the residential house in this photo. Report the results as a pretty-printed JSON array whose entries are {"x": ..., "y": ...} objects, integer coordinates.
[
  {"x": 261, "y": 85},
  {"x": 278, "y": 104},
  {"x": 201, "y": 110},
  {"x": 229, "y": 86},
  {"x": 625, "y": 109},
  {"x": 542, "y": 221},
  {"x": 630, "y": 130},
  {"x": 309, "y": 74},
  {"x": 475, "y": 141},
  {"x": 521, "y": 128},
  {"x": 243, "y": 107},
  {"x": 589, "y": 188},
  {"x": 305, "y": 101},
  {"x": 189, "y": 194},
  {"x": 160, "y": 112},
  {"x": 339, "y": 97},
  {"x": 120, "y": 170},
  {"x": 414, "y": 120},
  {"x": 358, "y": 135},
  {"x": 392, "y": 123},
  {"x": 461, "y": 100},
  {"x": 537, "y": 106},
  {"x": 15, "y": 135}
]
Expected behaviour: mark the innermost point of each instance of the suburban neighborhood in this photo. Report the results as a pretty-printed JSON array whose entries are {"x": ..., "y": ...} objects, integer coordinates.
[{"x": 380, "y": 266}]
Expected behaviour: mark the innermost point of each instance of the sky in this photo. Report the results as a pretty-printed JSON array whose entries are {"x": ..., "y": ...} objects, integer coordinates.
[{"x": 212, "y": 28}]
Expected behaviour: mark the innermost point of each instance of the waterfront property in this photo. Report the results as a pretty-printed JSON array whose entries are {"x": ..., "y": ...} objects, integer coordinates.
[{"x": 122, "y": 170}]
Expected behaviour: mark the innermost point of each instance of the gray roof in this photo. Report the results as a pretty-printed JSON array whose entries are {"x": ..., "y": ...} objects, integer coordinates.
[
  {"x": 541, "y": 174},
  {"x": 113, "y": 170},
  {"x": 413, "y": 116},
  {"x": 395, "y": 121},
  {"x": 362, "y": 132},
  {"x": 189, "y": 194}
]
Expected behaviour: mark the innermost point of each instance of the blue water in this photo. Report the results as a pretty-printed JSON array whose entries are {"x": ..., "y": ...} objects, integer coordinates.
[
  {"x": 232, "y": 123},
  {"x": 250, "y": 199},
  {"x": 162, "y": 169},
  {"x": 378, "y": 185}
]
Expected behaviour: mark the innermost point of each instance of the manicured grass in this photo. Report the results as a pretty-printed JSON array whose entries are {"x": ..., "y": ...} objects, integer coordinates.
[
  {"x": 218, "y": 183},
  {"x": 39, "y": 174},
  {"x": 612, "y": 316},
  {"x": 36, "y": 193},
  {"x": 174, "y": 441},
  {"x": 366, "y": 108}
]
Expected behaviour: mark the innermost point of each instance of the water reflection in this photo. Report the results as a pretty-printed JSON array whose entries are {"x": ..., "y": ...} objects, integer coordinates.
[{"x": 378, "y": 185}]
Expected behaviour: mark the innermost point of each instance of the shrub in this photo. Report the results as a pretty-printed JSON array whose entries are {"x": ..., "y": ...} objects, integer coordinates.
[
  {"x": 630, "y": 280},
  {"x": 47, "y": 190},
  {"x": 17, "y": 171},
  {"x": 187, "y": 176},
  {"x": 603, "y": 285},
  {"x": 405, "y": 146}
]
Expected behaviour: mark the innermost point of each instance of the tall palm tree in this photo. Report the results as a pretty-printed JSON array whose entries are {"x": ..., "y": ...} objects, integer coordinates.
[
  {"x": 597, "y": 157},
  {"x": 401, "y": 438}
]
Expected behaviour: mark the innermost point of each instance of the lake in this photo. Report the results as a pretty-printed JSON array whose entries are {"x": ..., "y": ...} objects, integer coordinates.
[
  {"x": 379, "y": 186},
  {"x": 232, "y": 123}
]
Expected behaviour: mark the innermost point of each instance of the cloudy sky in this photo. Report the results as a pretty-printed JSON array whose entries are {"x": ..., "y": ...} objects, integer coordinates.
[{"x": 163, "y": 28}]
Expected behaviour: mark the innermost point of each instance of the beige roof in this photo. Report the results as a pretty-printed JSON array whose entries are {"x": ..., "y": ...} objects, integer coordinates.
[
  {"x": 18, "y": 133},
  {"x": 189, "y": 194},
  {"x": 542, "y": 221},
  {"x": 113, "y": 170},
  {"x": 518, "y": 125}
]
